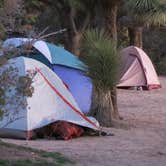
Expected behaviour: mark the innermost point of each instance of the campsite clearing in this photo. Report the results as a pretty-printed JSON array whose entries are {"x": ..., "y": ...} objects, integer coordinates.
[{"x": 144, "y": 144}]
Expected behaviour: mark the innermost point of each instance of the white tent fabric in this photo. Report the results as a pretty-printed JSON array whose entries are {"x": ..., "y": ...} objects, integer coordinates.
[
  {"x": 51, "y": 100},
  {"x": 42, "y": 47},
  {"x": 148, "y": 67}
]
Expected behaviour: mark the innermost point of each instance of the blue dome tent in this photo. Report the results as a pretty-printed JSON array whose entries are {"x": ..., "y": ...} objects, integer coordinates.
[
  {"x": 66, "y": 65},
  {"x": 78, "y": 84}
]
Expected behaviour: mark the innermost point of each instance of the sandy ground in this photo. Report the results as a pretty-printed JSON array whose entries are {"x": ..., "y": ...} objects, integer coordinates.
[{"x": 142, "y": 145}]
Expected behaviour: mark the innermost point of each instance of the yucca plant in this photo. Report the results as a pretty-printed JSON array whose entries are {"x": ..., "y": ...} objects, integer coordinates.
[
  {"x": 143, "y": 13},
  {"x": 101, "y": 57}
]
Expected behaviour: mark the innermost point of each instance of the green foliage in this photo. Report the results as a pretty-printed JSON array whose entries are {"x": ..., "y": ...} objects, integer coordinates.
[
  {"x": 85, "y": 5},
  {"x": 2, "y": 31},
  {"x": 33, "y": 4},
  {"x": 26, "y": 163},
  {"x": 30, "y": 19},
  {"x": 24, "y": 86},
  {"x": 154, "y": 44},
  {"x": 33, "y": 10},
  {"x": 30, "y": 163},
  {"x": 123, "y": 38},
  {"x": 148, "y": 12},
  {"x": 44, "y": 158},
  {"x": 12, "y": 13},
  {"x": 2, "y": 100},
  {"x": 36, "y": 3},
  {"x": 101, "y": 57},
  {"x": 57, "y": 157},
  {"x": 19, "y": 16}
]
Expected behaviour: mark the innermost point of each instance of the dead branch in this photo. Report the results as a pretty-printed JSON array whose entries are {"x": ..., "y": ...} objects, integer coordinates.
[{"x": 51, "y": 34}]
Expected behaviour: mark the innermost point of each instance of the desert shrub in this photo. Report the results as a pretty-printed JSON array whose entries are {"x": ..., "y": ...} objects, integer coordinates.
[{"x": 13, "y": 91}]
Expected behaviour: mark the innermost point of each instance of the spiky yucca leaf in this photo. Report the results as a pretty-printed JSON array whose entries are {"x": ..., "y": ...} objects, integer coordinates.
[
  {"x": 158, "y": 16},
  {"x": 147, "y": 11},
  {"x": 100, "y": 55}
]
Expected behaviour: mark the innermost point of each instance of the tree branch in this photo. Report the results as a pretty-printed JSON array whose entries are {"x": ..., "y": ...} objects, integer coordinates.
[
  {"x": 51, "y": 34},
  {"x": 86, "y": 22},
  {"x": 72, "y": 20},
  {"x": 11, "y": 121}
]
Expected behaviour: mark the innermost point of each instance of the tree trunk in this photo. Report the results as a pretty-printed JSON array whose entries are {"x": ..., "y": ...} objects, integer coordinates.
[
  {"x": 67, "y": 24},
  {"x": 115, "y": 113},
  {"x": 77, "y": 43},
  {"x": 102, "y": 107},
  {"x": 111, "y": 26},
  {"x": 135, "y": 35},
  {"x": 111, "y": 22}
]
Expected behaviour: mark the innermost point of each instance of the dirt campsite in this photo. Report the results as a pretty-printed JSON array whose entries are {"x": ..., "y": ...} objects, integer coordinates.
[{"x": 142, "y": 143}]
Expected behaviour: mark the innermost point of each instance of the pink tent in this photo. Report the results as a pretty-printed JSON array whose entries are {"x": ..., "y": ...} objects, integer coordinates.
[{"x": 137, "y": 69}]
